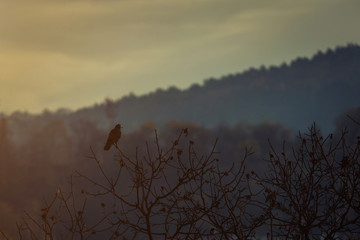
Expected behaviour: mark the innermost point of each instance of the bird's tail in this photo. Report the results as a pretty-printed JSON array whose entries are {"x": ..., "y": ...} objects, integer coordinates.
[{"x": 107, "y": 147}]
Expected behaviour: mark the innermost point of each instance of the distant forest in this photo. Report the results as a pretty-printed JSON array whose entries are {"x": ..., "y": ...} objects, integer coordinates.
[
  {"x": 295, "y": 94},
  {"x": 249, "y": 109}
]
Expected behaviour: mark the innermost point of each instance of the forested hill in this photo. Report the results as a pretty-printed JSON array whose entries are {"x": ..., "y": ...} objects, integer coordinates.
[
  {"x": 295, "y": 94},
  {"x": 42, "y": 150}
]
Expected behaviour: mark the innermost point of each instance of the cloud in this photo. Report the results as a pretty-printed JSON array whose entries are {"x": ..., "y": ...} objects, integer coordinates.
[{"x": 106, "y": 29}]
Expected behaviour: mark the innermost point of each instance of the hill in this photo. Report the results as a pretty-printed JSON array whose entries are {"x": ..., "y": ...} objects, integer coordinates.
[
  {"x": 41, "y": 150},
  {"x": 295, "y": 94}
]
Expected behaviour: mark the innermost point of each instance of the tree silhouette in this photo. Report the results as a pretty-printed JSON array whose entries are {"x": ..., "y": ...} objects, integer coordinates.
[
  {"x": 159, "y": 193},
  {"x": 313, "y": 193},
  {"x": 172, "y": 191}
]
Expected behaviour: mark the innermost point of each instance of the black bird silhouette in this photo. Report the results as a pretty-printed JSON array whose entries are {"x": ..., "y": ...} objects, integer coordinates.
[{"x": 113, "y": 137}]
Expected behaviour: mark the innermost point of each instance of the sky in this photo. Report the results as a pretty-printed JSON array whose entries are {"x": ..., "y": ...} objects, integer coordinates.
[{"x": 72, "y": 54}]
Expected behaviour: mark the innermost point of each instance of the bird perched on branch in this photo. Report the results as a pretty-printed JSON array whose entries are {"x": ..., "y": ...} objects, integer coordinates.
[{"x": 113, "y": 137}]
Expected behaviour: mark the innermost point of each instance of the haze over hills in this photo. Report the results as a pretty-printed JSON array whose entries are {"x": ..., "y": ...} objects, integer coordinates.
[
  {"x": 295, "y": 94},
  {"x": 42, "y": 150}
]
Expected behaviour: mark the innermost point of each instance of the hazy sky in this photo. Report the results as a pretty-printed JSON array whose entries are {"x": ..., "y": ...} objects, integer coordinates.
[{"x": 68, "y": 53}]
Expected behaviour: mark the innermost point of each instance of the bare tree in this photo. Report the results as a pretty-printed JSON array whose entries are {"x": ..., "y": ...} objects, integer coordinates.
[
  {"x": 171, "y": 191},
  {"x": 313, "y": 193},
  {"x": 156, "y": 194}
]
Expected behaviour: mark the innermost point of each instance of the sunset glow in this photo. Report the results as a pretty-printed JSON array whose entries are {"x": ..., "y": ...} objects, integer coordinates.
[{"x": 73, "y": 54}]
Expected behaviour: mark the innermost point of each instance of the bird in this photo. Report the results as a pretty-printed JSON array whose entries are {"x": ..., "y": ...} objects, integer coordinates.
[{"x": 113, "y": 137}]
